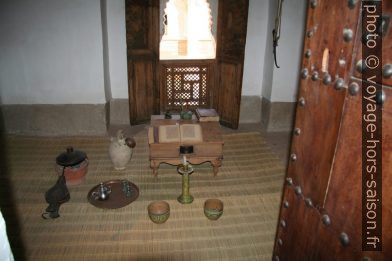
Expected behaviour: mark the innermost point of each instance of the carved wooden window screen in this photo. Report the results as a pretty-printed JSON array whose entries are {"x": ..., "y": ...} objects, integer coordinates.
[{"x": 185, "y": 85}]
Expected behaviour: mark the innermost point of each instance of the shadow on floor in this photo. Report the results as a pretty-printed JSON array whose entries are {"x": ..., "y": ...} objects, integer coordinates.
[{"x": 7, "y": 205}]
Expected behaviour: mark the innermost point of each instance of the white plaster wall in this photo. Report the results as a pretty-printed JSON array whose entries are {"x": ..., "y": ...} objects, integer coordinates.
[
  {"x": 289, "y": 52},
  {"x": 268, "y": 59},
  {"x": 51, "y": 52},
  {"x": 256, "y": 40},
  {"x": 117, "y": 48}
]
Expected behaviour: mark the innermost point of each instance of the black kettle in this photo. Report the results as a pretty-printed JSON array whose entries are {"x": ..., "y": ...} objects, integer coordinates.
[{"x": 55, "y": 196}]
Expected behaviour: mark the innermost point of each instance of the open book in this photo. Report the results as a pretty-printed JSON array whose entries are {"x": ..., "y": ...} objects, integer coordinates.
[{"x": 183, "y": 133}]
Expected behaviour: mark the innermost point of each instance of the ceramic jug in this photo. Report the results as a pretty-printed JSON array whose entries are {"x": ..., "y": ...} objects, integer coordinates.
[{"x": 120, "y": 150}]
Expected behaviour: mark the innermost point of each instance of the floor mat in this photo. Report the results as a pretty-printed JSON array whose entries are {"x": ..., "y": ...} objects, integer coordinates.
[{"x": 249, "y": 183}]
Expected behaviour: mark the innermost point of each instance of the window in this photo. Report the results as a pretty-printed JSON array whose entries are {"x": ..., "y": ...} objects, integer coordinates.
[
  {"x": 186, "y": 84},
  {"x": 187, "y": 31}
]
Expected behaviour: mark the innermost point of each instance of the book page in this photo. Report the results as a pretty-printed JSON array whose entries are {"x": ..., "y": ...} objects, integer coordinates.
[
  {"x": 191, "y": 133},
  {"x": 169, "y": 133}
]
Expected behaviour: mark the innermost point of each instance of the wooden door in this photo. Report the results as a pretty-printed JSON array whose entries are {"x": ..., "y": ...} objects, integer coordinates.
[
  {"x": 232, "y": 25},
  {"x": 321, "y": 211},
  {"x": 142, "y": 24}
]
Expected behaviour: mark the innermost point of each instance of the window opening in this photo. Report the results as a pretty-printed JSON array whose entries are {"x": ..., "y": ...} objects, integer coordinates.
[{"x": 187, "y": 31}]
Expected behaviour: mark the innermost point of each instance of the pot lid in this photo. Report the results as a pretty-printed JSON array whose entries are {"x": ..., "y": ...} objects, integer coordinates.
[{"x": 71, "y": 157}]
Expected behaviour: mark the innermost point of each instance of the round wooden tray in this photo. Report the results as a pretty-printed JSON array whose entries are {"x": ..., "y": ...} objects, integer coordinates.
[{"x": 117, "y": 198}]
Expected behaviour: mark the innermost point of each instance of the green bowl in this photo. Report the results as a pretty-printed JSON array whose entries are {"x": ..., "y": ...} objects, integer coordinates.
[
  {"x": 186, "y": 115},
  {"x": 213, "y": 208},
  {"x": 159, "y": 211}
]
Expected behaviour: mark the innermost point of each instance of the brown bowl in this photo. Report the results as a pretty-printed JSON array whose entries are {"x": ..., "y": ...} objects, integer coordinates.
[
  {"x": 213, "y": 208},
  {"x": 159, "y": 211}
]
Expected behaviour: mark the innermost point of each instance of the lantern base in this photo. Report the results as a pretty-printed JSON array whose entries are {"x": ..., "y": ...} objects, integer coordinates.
[{"x": 185, "y": 199}]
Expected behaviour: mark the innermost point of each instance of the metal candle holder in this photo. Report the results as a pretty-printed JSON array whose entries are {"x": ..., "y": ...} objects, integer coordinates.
[{"x": 185, "y": 169}]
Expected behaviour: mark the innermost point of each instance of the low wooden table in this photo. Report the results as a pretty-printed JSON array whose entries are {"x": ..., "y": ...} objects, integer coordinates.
[{"x": 210, "y": 149}]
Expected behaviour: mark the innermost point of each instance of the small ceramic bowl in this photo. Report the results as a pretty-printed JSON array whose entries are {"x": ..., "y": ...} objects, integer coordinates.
[
  {"x": 159, "y": 211},
  {"x": 213, "y": 208}
]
